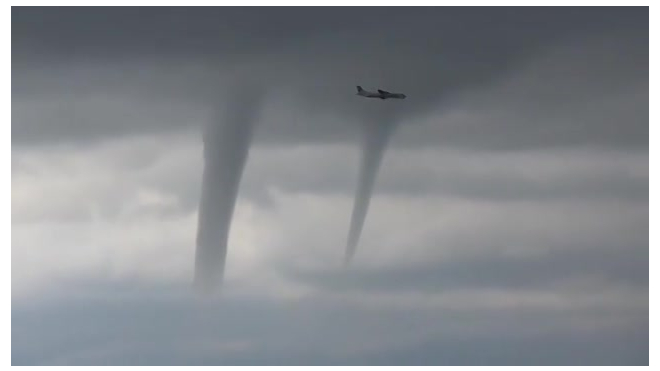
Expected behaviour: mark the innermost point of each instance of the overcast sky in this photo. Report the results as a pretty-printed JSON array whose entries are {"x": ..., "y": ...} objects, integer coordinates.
[{"x": 508, "y": 225}]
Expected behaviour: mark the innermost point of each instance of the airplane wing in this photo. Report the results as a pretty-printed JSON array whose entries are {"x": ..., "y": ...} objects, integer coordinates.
[{"x": 383, "y": 92}]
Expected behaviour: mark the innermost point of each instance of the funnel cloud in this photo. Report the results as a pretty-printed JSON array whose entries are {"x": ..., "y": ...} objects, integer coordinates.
[
  {"x": 377, "y": 135},
  {"x": 226, "y": 146}
]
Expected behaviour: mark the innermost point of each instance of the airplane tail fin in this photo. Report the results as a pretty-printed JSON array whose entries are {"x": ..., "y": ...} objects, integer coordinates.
[{"x": 359, "y": 88}]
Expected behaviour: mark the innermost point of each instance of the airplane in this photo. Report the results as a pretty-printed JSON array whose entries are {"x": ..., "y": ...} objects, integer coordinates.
[{"x": 382, "y": 94}]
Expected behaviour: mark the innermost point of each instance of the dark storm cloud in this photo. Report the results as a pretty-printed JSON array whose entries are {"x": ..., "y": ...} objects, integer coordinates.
[
  {"x": 172, "y": 31},
  {"x": 311, "y": 59}
]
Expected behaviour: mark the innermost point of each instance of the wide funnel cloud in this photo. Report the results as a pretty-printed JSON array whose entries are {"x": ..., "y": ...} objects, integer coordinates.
[{"x": 226, "y": 144}]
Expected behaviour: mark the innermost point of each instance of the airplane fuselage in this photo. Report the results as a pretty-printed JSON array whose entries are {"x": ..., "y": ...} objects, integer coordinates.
[{"x": 381, "y": 94}]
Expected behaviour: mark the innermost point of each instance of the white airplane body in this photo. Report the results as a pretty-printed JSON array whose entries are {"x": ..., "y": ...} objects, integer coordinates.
[{"x": 381, "y": 94}]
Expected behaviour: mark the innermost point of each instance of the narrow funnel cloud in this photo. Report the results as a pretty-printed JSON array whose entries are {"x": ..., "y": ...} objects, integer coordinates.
[
  {"x": 377, "y": 135},
  {"x": 226, "y": 145}
]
